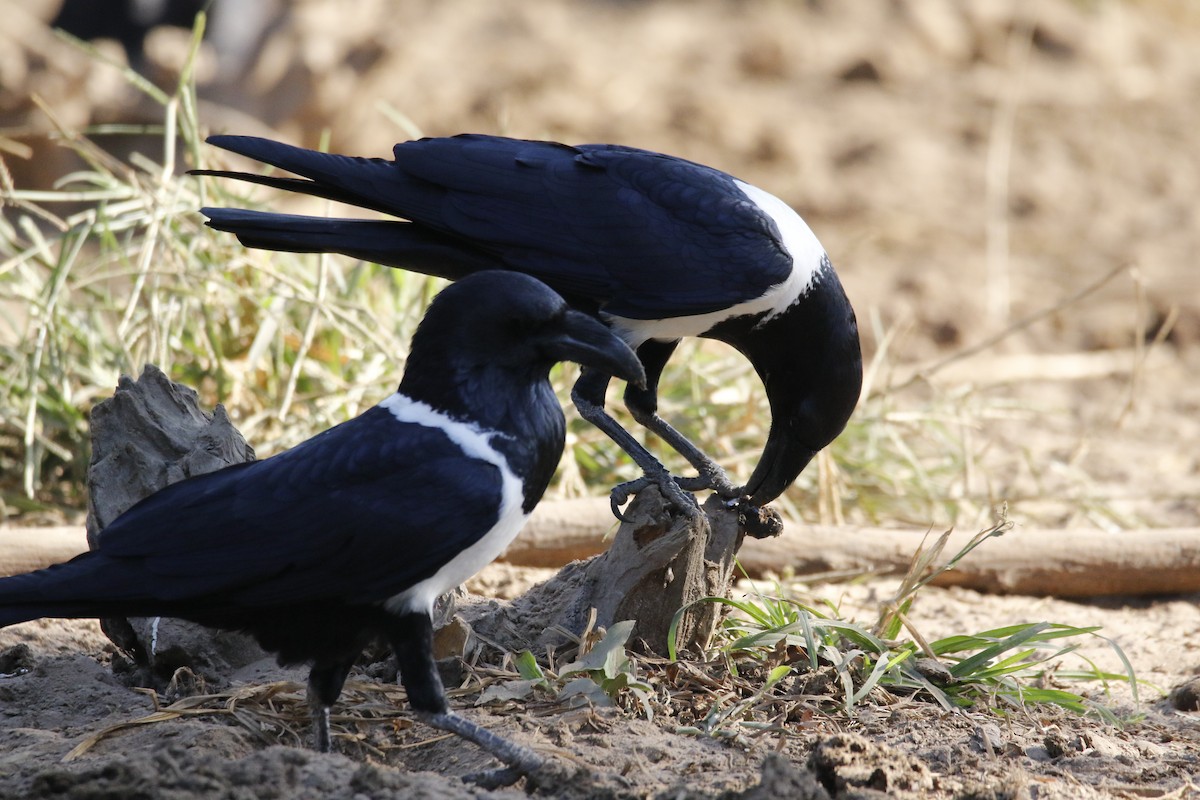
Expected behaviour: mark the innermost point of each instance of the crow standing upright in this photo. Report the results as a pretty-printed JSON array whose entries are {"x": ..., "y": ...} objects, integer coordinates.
[
  {"x": 354, "y": 533},
  {"x": 656, "y": 246}
]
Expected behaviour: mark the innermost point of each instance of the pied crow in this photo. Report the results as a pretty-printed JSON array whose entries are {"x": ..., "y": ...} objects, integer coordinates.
[
  {"x": 656, "y": 246},
  {"x": 354, "y": 533}
]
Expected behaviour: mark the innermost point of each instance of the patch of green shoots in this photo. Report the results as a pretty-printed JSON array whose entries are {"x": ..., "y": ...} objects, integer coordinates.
[
  {"x": 1005, "y": 668},
  {"x": 598, "y": 677}
]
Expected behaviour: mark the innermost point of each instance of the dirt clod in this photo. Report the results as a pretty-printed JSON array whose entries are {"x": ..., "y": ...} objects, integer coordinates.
[
  {"x": 848, "y": 761},
  {"x": 16, "y": 660},
  {"x": 1186, "y": 696}
]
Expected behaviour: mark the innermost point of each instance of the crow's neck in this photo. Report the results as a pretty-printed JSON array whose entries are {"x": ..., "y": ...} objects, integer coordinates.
[{"x": 520, "y": 409}]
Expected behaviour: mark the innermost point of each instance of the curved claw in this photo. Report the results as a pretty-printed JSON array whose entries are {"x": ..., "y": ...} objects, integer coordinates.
[
  {"x": 669, "y": 486},
  {"x": 712, "y": 477},
  {"x": 621, "y": 493}
]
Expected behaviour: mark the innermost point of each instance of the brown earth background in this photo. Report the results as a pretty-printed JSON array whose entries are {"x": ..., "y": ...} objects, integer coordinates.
[{"x": 966, "y": 166}]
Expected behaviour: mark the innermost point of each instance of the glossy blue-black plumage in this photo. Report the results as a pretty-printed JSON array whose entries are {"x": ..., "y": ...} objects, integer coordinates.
[
  {"x": 639, "y": 234},
  {"x": 657, "y": 246},
  {"x": 347, "y": 519},
  {"x": 364, "y": 510},
  {"x": 351, "y": 535}
]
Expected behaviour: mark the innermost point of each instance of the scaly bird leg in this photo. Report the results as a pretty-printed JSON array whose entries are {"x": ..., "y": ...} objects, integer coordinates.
[
  {"x": 411, "y": 637},
  {"x": 520, "y": 760},
  {"x": 643, "y": 405},
  {"x": 588, "y": 396},
  {"x": 325, "y": 682}
]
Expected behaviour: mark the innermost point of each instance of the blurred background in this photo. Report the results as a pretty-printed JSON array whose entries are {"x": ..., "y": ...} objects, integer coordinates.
[{"x": 1009, "y": 191}]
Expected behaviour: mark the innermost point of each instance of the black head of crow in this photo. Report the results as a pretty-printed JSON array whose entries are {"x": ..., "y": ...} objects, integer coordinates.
[
  {"x": 352, "y": 534},
  {"x": 658, "y": 247}
]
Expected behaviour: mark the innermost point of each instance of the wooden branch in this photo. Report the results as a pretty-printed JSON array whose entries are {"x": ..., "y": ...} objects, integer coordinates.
[{"x": 1060, "y": 563}]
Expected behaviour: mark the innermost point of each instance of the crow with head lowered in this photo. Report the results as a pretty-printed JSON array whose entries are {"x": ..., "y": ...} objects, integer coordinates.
[
  {"x": 354, "y": 533},
  {"x": 657, "y": 247}
]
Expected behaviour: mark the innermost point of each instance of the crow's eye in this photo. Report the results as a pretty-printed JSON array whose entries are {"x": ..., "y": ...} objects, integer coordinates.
[
  {"x": 527, "y": 325},
  {"x": 524, "y": 327}
]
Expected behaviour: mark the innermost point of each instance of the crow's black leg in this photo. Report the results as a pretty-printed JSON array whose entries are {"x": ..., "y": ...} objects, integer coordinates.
[
  {"x": 588, "y": 396},
  {"x": 411, "y": 637},
  {"x": 643, "y": 405},
  {"x": 521, "y": 760},
  {"x": 325, "y": 682}
]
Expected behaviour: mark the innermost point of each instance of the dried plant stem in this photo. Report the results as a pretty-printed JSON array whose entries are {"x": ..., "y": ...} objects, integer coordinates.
[
  {"x": 999, "y": 160},
  {"x": 926, "y": 373}
]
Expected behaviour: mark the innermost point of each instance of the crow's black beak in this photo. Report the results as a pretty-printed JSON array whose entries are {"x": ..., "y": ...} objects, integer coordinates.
[
  {"x": 590, "y": 343},
  {"x": 782, "y": 460}
]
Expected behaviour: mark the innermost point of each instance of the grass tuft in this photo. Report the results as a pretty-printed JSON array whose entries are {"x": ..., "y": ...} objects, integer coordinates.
[{"x": 789, "y": 651}]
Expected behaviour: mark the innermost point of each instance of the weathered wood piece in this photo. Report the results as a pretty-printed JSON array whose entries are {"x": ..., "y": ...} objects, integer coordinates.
[
  {"x": 659, "y": 561},
  {"x": 149, "y": 434}
]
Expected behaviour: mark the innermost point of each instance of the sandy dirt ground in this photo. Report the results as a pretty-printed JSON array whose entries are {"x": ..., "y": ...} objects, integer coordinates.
[
  {"x": 904, "y": 748},
  {"x": 966, "y": 165}
]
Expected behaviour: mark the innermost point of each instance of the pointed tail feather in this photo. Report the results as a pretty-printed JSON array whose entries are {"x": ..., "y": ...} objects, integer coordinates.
[
  {"x": 372, "y": 183},
  {"x": 297, "y": 185},
  {"x": 394, "y": 244},
  {"x": 86, "y": 586}
]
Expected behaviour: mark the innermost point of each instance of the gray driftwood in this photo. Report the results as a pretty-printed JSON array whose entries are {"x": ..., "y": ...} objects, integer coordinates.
[
  {"x": 658, "y": 562},
  {"x": 149, "y": 434}
]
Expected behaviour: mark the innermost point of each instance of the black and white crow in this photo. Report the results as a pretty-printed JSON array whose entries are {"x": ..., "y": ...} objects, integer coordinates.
[
  {"x": 656, "y": 246},
  {"x": 354, "y": 533}
]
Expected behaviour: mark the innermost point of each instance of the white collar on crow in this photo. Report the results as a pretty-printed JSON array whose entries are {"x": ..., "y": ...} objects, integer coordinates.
[
  {"x": 475, "y": 443},
  {"x": 808, "y": 258}
]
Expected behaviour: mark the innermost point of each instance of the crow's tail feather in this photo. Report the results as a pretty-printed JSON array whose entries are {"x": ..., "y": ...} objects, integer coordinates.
[
  {"x": 395, "y": 244},
  {"x": 372, "y": 183},
  {"x": 86, "y": 586}
]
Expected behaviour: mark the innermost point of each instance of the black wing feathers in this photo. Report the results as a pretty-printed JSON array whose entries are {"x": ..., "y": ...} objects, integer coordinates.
[
  {"x": 346, "y": 516},
  {"x": 642, "y": 234}
]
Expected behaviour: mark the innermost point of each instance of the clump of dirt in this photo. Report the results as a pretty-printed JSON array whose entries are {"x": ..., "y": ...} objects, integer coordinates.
[
  {"x": 285, "y": 773},
  {"x": 848, "y": 762}
]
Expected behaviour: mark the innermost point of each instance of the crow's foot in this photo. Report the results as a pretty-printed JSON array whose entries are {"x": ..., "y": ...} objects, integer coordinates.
[
  {"x": 678, "y": 489},
  {"x": 668, "y": 485},
  {"x": 519, "y": 761}
]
